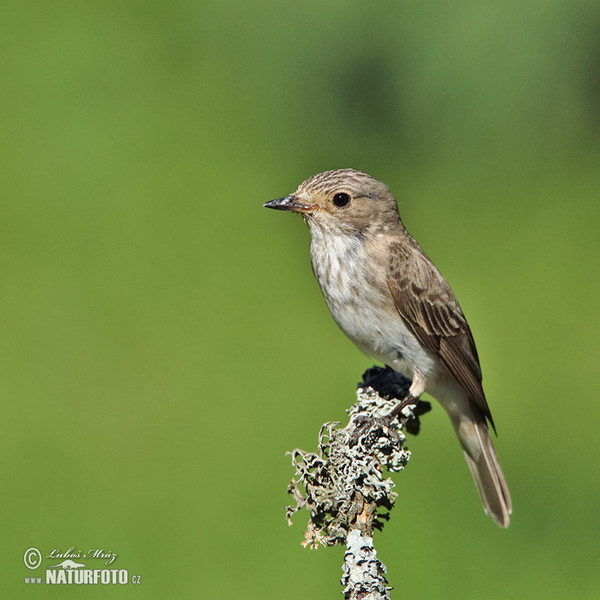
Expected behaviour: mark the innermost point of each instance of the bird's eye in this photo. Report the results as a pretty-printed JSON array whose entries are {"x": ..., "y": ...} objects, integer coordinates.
[{"x": 341, "y": 199}]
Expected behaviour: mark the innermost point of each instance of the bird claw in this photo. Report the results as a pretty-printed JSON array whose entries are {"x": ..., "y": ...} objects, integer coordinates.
[
  {"x": 408, "y": 400},
  {"x": 363, "y": 424}
]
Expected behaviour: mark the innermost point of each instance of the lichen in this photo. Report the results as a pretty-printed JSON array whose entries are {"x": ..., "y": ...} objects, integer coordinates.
[{"x": 342, "y": 485}]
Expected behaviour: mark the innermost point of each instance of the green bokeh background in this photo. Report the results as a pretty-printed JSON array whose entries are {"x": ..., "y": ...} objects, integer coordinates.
[{"x": 163, "y": 342}]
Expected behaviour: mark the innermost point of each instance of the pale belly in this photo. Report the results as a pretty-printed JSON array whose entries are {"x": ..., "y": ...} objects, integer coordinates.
[
  {"x": 381, "y": 334},
  {"x": 362, "y": 306}
]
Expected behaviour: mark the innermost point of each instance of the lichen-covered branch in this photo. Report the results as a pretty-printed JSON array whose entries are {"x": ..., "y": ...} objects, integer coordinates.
[
  {"x": 364, "y": 574},
  {"x": 343, "y": 486}
]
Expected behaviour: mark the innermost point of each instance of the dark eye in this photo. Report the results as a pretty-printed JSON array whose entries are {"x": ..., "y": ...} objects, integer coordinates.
[{"x": 341, "y": 199}]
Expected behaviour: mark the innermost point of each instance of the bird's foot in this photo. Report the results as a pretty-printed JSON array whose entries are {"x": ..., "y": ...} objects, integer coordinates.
[
  {"x": 401, "y": 412},
  {"x": 398, "y": 410}
]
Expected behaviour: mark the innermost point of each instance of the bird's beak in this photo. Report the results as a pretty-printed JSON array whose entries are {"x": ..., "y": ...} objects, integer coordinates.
[{"x": 290, "y": 203}]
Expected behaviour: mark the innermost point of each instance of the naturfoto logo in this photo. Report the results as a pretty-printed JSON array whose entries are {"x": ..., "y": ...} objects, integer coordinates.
[{"x": 70, "y": 571}]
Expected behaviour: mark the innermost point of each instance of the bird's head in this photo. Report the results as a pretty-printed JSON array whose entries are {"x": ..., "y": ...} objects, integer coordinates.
[{"x": 342, "y": 201}]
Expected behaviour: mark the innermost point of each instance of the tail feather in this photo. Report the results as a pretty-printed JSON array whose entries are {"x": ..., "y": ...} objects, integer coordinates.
[{"x": 481, "y": 457}]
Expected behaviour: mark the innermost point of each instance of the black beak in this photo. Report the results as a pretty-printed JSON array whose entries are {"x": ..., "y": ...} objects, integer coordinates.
[{"x": 290, "y": 203}]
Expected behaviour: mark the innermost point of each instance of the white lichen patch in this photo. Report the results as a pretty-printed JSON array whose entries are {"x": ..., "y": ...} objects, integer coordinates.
[{"x": 345, "y": 477}]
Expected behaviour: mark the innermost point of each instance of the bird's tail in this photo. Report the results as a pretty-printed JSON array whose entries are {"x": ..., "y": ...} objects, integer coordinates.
[{"x": 475, "y": 439}]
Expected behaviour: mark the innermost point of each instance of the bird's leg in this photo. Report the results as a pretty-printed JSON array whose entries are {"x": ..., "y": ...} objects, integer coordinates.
[{"x": 417, "y": 387}]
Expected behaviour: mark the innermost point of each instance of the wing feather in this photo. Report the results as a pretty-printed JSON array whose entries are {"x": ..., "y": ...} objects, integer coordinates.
[{"x": 429, "y": 308}]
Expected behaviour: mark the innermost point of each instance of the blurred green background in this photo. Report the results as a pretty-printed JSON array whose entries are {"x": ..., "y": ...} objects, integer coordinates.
[{"x": 163, "y": 341}]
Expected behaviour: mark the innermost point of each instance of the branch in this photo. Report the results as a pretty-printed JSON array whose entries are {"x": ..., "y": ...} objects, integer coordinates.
[{"x": 342, "y": 485}]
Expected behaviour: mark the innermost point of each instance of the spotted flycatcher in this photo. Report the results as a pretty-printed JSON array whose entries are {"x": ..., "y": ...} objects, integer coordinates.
[{"x": 391, "y": 301}]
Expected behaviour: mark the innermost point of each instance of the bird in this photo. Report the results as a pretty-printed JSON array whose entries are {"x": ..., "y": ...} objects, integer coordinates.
[{"x": 390, "y": 300}]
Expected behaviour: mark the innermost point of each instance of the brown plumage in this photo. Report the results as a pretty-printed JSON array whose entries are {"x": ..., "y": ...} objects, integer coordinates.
[{"x": 391, "y": 301}]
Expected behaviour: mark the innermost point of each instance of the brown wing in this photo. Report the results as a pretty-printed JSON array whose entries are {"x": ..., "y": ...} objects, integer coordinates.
[{"x": 430, "y": 310}]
